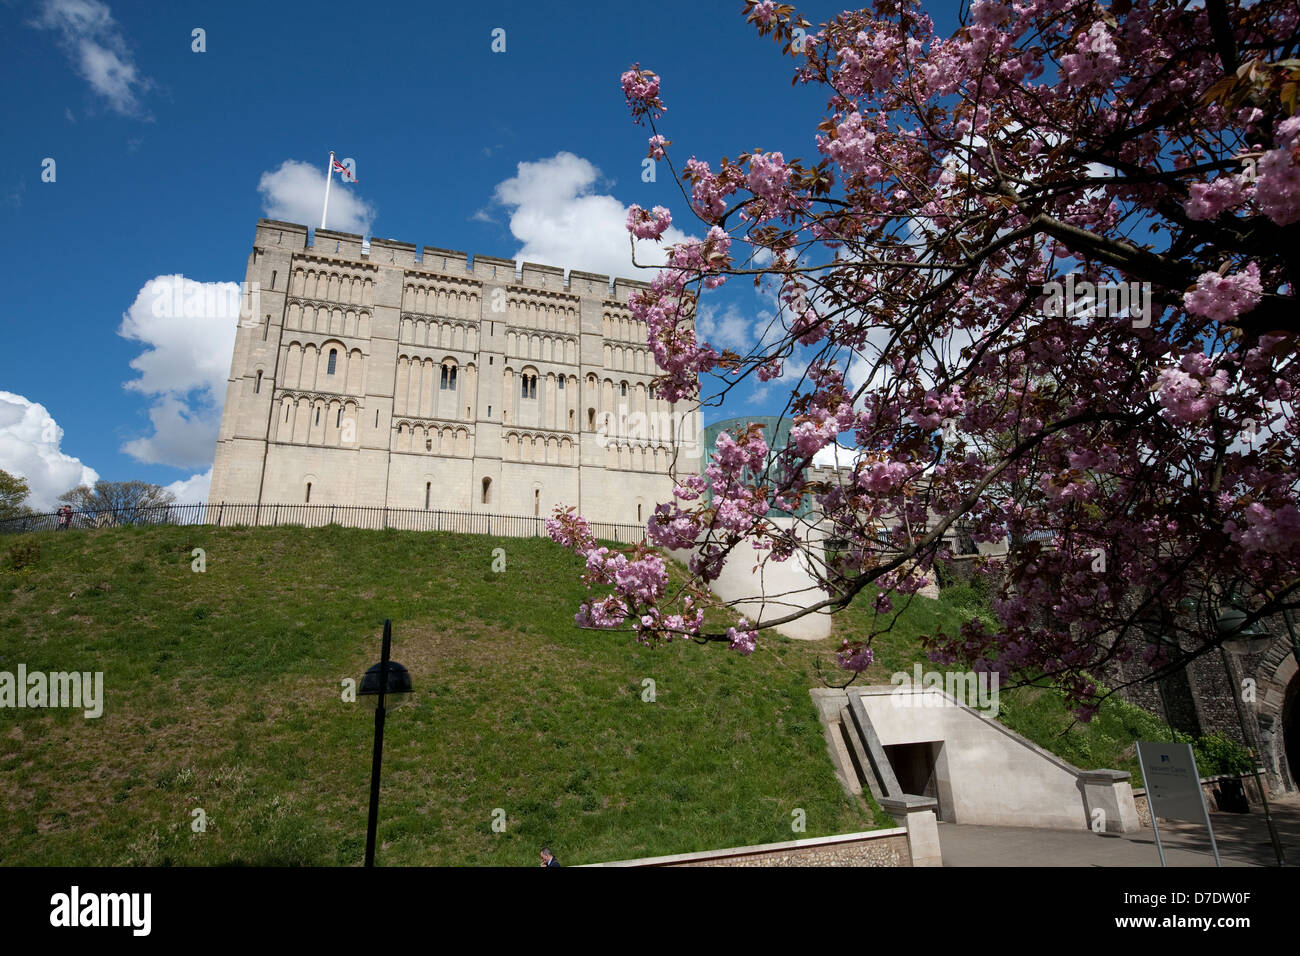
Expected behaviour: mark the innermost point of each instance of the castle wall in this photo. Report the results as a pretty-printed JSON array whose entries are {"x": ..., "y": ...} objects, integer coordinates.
[{"x": 423, "y": 377}]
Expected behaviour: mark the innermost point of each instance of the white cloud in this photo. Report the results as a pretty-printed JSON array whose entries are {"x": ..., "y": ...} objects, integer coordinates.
[
  {"x": 561, "y": 220},
  {"x": 93, "y": 42},
  {"x": 183, "y": 436},
  {"x": 792, "y": 372},
  {"x": 29, "y": 447},
  {"x": 729, "y": 330},
  {"x": 296, "y": 193},
  {"x": 189, "y": 329},
  {"x": 191, "y": 490},
  {"x": 836, "y": 455}
]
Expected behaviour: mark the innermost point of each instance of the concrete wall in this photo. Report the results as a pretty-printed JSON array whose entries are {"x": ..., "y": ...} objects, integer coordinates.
[
  {"x": 870, "y": 848},
  {"x": 984, "y": 773},
  {"x": 762, "y": 589}
]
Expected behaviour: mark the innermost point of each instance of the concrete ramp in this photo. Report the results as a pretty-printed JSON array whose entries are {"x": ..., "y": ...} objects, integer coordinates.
[{"x": 909, "y": 742}]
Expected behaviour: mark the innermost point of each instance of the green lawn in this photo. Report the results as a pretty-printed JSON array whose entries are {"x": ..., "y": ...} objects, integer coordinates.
[{"x": 223, "y": 693}]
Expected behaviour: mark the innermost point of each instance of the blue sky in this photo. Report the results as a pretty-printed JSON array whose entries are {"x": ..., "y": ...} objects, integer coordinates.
[{"x": 165, "y": 157}]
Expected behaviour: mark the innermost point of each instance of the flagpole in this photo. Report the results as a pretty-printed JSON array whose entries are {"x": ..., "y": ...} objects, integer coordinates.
[{"x": 329, "y": 174}]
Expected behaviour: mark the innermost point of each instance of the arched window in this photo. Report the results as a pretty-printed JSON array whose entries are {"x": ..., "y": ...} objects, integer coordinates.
[
  {"x": 448, "y": 381},
  {"x": 638, "y": 513},
  {"x": 334, "y": 361},
  {"x": 428, "y": 488},
  {"x": 528, "y": 386},
  {"x": 591, "y": 419},
  {"x": 317, "y": 415},
  {"x": 487, "y": 491},
  {"x": 257, "y": 386},
  {"x": 537, "y": 502},
  {"x": 623, "y": 389},
  {"x": 308, "y": 501},
  {"x": 338, "y": 419}
]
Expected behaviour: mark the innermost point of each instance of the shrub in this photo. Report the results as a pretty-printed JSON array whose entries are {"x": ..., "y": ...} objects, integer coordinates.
[
  {"x": 1218, "y": 754},
  {"x": 23, "y": 556},
  {"x": 964, "y": 597}
]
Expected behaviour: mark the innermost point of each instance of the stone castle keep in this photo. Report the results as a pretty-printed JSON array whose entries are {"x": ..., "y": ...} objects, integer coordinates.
[{"x": 391, "y": 377}]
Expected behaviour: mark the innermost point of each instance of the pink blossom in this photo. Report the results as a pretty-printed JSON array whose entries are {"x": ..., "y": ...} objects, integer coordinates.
[
  {"x": 1188, "y": 393},
  {"x": 569, "y": 529},
  {"x": 763, "y": 12},
  {"x": 1277, "y": 190},
  {"x": 882, "y": 477},
  {"x": 1223, "y": 298},
  {"x": 670, "y": 527},
  {"x": 641, "y": 88},
  {"x": 1272, "y": 530},
  {"x": 1208, "y": 200},
  {"x": 1095, "y": 60},
  {"x": 853, "y": 148},
  {"x": 644, "y": 579},
  {"x": 768, "y": 175},
  {"x": 855, "y": 659},
  {"x": 708, "y": 192},
  {"x": 648, "y": 225},
  {"x": 742, "y": 638}
]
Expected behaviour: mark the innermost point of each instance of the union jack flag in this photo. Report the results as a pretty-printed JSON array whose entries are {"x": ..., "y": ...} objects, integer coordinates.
[{"x": 344, "y": 171}]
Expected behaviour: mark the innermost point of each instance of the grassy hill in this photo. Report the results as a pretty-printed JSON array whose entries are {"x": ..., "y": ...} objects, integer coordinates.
[{"x": 223, "y": 693}]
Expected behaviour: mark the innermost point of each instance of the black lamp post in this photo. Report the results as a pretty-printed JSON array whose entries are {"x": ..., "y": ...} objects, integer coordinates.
[{"x": 386, "y": 677}]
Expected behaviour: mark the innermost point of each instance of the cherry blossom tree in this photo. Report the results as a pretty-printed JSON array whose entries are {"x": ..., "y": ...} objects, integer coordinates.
[{"x": 1042, "y": 273}]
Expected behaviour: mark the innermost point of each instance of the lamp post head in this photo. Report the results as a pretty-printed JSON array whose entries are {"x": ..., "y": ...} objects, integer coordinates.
[
  {"x": 399, "y": 680},
  {"x": 1251, "y": 639}
]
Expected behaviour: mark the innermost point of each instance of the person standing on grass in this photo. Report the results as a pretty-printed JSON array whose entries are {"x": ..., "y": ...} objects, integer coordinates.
[
  {"x": 65, "y": 517},
  {"x": 548, "y": 859}
]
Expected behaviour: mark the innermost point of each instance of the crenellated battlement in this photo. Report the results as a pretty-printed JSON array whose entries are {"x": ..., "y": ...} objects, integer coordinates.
[
  {"x": 294, "y": 237},
  {"x": 829, "y": 474}
]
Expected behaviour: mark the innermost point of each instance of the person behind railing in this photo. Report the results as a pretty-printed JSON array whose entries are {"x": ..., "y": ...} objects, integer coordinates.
[{"x": 65, "y": 517}]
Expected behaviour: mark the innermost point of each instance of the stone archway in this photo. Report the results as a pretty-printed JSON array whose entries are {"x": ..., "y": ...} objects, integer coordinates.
[
  {"x": 1278, "y": 714},
  {"x": 1291, "y": 726}
]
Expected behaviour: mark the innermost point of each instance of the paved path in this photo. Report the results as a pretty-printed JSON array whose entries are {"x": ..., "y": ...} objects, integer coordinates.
[{"x": 1242, "y": 837}]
